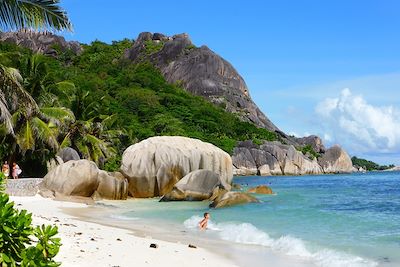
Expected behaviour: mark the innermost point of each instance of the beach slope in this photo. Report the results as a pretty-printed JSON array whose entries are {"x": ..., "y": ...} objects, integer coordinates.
[{"x": 90, "y": 244}]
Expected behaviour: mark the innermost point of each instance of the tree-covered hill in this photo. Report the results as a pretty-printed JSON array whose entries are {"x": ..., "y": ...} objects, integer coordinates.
[
  {"x": 369, "y": 165},
  {"x": 99, "y": 103}
]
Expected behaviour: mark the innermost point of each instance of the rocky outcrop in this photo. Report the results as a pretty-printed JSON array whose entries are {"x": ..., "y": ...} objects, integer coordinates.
[
  {"x": 272, "y": 158},
  {"x": 82, "y": 178},
  {"x": 314, "y": 141},
  {"x": 45, "y": 43},
  {"x": 156, "y": 164},
  {"x": 261, "y": 189},
  {"x": 197, "y": 185},
  {"x": 232, "y": 198},
  {"x": 201, "y": 72},
  {"x": 336, "y": 160}
]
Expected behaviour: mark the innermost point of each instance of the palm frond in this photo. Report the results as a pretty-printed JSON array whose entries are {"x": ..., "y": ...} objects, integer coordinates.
[
  {"x": 66, "y": 142},
  {"x": 57, "y": 115},
  {"x": 65, "y": 90},
  {"x": 5, "y": 115},
  {"x": 10, "y": 59},
  {"x": 44, "y": 133},
  {"x": 36, "y": 14},
  {"x": 16, "y": 116},
  {"x": 46, "y": 99},
  {"x": 14, "y": 95},
  {"x": 14, "y": 74},
  {"x": 108, "y": 121},
  {"x": 83, "y": 148},
  {"x": 100, "y": 147},
  {"x": 25, "y": 138}
]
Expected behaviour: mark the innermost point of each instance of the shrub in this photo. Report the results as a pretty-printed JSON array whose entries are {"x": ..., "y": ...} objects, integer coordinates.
[
  {"x": 308, "y": 150},
  {"x": 21, "y": 244}
]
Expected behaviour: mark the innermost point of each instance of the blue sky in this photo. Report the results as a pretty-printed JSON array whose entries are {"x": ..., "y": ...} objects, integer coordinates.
[{"x": 295, "y": 56}]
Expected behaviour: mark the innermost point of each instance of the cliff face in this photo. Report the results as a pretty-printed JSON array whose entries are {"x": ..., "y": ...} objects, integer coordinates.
[{"x": 201, "y": 72}]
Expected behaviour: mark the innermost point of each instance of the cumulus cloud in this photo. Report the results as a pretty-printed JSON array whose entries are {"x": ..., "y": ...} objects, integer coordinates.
[{"x": 349, "y": 120}]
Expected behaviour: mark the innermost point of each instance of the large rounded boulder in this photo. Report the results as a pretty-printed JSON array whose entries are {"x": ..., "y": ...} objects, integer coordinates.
[
  {"x": 155, "y": 165},
  {"x": 197, "y": 185},
  {"x": 84, "y": 179},
  {"x": 336, "y": 160}
]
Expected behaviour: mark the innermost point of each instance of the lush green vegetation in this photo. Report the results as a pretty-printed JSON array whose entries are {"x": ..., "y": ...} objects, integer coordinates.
[
  {"x": 369, "y": 165},
  {"x": 22, "y": 244},
  {"x": 99, "y": 104},
  {"x": 308, "y": 151}
]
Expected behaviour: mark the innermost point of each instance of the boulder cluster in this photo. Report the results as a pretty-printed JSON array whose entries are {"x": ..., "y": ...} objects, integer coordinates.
[
  {"x": 274, "y": 158},
  {"x": 184, "y": 169},
  {"x": 174, "y": 168}
]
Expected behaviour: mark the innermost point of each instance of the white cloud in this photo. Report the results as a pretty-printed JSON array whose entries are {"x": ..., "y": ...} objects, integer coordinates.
[
  {"x": 359, "y": 126},
  {"x": 327, "y": 137}
]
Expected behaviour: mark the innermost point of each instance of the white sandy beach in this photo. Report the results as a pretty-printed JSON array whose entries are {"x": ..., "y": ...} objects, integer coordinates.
[{"x": 91, "y": 244}]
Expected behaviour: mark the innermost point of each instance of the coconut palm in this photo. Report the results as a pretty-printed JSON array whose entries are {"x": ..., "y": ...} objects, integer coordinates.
[
  {"x": 15, "y": 15},
  {"x": 36, "y": 132},
  {"x": 93, "y": 138},
  {"x": 13, "y": 95}
]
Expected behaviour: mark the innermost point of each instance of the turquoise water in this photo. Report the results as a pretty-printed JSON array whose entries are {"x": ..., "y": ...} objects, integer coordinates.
[{"x": 329, "y": 220}]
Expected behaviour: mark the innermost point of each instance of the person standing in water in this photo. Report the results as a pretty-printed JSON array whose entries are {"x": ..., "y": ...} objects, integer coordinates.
[
  {"x": 6, "y": 169},
  {"x": 203, "y": 223}
]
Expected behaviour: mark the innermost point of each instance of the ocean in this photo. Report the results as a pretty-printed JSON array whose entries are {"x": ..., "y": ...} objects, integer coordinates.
[{"x": 325, "y": 220}]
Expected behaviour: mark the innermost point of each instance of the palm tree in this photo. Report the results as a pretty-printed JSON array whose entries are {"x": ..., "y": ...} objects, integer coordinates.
[
  {"x": 93, "y": 138},
  {"x": 18, "y": 14},
  {"x": 36, "y": 132},
  {"x": 13, "y": 95}
]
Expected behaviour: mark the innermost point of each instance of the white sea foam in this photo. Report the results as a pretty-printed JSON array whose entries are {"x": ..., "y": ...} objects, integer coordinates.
[
  {"x": 193, "y": 222},
  {"x": 123, "y": 217},
  {"x": 246, "y": 233}
]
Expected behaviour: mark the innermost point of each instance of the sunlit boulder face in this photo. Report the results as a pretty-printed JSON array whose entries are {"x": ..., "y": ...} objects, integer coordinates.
[
  {"x": 82, "y": 178},
  {"x": 336, "y": 160},
  {"x": 155, "y": 165}
]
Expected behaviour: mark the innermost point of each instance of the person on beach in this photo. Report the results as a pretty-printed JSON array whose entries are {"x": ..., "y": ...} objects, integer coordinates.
[
  {"x": 203, "y": 223},
  {"x": 6, "y": 169},
  {"x": 16, "y": 170}
]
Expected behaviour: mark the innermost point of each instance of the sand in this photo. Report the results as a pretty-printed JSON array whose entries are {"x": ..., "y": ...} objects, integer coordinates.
[{"x": 91, "y": 244}]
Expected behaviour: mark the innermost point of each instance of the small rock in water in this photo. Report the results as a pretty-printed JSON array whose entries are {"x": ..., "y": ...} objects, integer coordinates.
[
  {"x": 192, "y": 246},
  {"x": 153, "y": 245}
]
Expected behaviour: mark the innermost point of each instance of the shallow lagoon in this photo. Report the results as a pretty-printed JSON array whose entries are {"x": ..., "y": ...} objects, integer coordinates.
[{"x": 324, "y": 220}]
